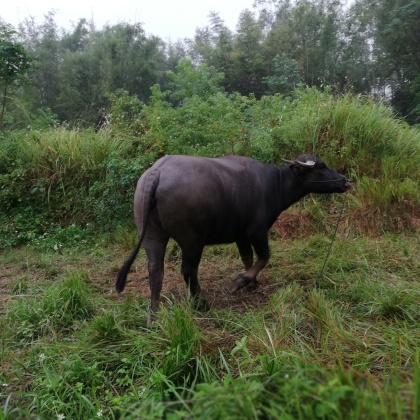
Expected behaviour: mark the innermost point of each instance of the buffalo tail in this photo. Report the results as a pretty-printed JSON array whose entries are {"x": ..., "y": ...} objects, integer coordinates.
[
  {"x": 149, "y": 194},
  {"x": 122, "y": 274}
]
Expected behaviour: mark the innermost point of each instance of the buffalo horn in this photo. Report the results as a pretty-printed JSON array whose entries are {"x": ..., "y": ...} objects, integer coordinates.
[{"x": 309, "y": 164}]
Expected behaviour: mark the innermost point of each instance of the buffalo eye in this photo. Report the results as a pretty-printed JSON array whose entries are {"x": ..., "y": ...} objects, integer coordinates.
[{"x": 322, "y": 166}]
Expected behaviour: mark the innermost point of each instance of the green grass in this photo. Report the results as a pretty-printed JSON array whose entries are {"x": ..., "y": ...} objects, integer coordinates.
[{"x": 69, "y": 346}]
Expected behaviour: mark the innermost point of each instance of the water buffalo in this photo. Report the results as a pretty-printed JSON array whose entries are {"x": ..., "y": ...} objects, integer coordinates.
[{"x": 203, "y": 201}]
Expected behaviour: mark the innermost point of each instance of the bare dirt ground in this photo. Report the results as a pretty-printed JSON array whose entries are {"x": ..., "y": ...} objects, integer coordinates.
[
  {"x": 217, "y": 269},
  {"x": 215, "y": 275},
  {"x": 214, "y": 282}
]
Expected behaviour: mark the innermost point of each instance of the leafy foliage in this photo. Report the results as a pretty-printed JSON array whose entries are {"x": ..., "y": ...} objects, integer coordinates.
[
  {"x": 14, "y": 59},
  {"x": 188, "y": 81},
  {"x": 287, "y": 75}
]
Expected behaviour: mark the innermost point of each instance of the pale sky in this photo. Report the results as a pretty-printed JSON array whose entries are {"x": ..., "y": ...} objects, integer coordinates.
[{"x": 172, "y": 19}]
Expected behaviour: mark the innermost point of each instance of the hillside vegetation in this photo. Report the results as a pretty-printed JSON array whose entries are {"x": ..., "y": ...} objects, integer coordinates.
[
  {"x": 348, "y": 349},
  {"x": 57, "y": 178}
]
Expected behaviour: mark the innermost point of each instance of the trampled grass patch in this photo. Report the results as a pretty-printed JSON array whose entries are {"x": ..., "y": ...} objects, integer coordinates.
[{"x": 349, "y": 349}]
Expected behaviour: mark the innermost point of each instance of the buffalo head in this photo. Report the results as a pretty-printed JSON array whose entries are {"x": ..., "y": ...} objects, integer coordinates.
[{"x": 316, "y": 176}]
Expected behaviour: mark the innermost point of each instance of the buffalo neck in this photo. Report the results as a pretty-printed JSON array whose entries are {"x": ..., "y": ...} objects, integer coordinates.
[{"x": 291, "y": 189}]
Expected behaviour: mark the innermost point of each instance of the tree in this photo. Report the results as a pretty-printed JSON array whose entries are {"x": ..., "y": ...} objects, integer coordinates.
[
  {"x": 249, "y": 64},
  {"x": 43, "y": 42},
  {"x": 76, "y": 68},
  {"x": 398, "y": 36},
  {"x": 15, "y": 63},
  {"x": 188, "y": 81},
  {"x": 357, "y": 64},
  {"x": 312, "y": 39},
  {"x": 213, "y": 45},
  {"x": 286, "y": 75},
  {"x": 382, "y": 54},
  {"x": 118, "y": 57}
]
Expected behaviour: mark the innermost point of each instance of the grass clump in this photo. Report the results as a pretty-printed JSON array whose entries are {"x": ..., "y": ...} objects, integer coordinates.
[
  {"x": 179, "y": 366},
  {"x": 59, "y": 307},
  {"x": 106, "y": 329},
  {"x": 70, "y": 300},
  {"x": 383, "y": 300}
]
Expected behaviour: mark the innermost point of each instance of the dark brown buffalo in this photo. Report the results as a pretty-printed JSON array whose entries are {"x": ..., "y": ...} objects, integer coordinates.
[{"x": 202, "y": 201}]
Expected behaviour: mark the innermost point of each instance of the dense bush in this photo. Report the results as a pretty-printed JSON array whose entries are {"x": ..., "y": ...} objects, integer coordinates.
[{"x": 60, "y": 176}]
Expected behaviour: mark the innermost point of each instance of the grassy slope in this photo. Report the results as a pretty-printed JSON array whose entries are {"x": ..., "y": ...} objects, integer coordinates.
[{"x": 71, "y": 346}]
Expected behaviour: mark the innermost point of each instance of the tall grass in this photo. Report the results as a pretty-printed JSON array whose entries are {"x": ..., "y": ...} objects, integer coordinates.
[
  {"x": 64, "y": 177},
  {"x": 363, "y": 140}
]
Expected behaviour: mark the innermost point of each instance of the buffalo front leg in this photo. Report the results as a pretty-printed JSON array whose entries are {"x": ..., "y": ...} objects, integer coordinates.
[
  {"x": 261, "y": 248},
  {"x": 155, "y": 251},
  {"x": 246, "y": 253}
]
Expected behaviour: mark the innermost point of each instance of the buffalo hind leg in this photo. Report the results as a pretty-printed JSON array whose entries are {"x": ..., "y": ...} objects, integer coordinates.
[
  {"x": 155, "y": 250},
  {"x": 249, "y": 277},
  {"x": 191, "y": 256}
]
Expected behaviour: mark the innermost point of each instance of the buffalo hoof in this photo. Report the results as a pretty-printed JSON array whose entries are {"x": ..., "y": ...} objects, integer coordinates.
[
  {"x": 150, "y": 319},
  {"x": 240, "y": 282},
  {"x": 201, "y": 304},
  {"x": 253, "y": 284}
]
